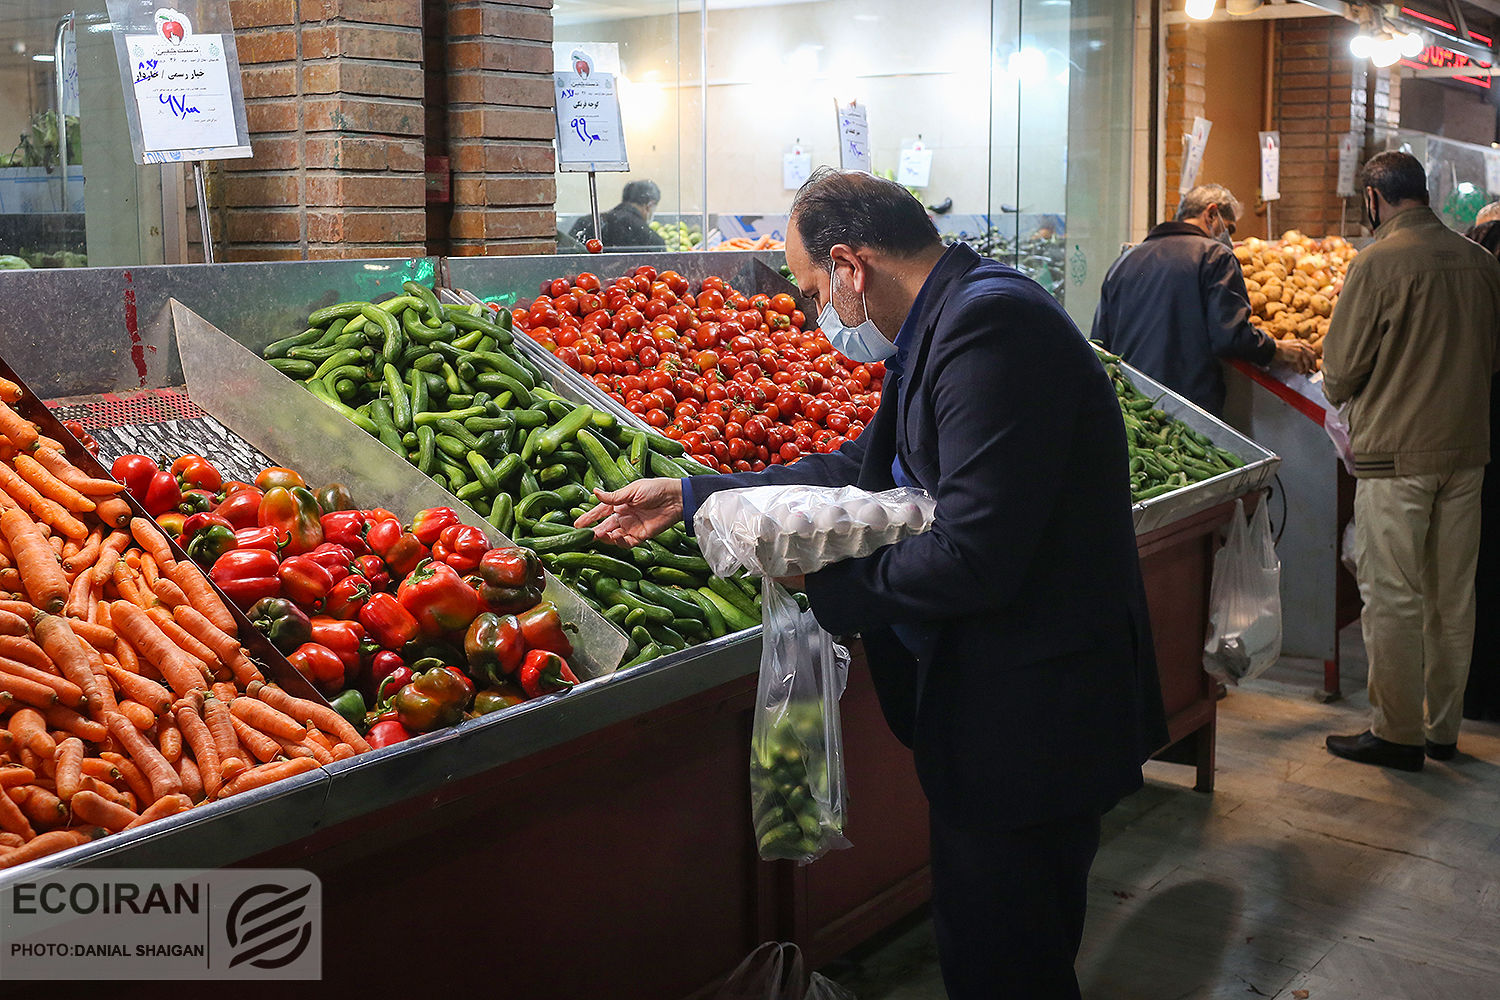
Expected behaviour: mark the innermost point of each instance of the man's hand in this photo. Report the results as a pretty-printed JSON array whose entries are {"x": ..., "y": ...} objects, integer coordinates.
[
  {"x": 1297, "y": 354},
  {"x": 640, "y": 511}
]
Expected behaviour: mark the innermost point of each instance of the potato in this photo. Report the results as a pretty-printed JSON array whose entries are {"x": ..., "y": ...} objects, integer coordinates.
[{"x": 1257, "y": 301}]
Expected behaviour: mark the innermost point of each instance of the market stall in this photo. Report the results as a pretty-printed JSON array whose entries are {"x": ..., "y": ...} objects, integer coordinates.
[{"x": 616, "y": 816}]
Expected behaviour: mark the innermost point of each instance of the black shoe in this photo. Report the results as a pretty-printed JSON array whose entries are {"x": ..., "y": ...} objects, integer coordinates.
[
  {"x": 1441, "y": 751},
  {"x": 1367, "y": 748}
]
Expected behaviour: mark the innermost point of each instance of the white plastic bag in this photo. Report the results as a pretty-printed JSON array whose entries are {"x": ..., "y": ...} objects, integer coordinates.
[
  {"x": 1244, "y": 604},
  {"x": 774, "y": 972},
  {"x": 788, "y": 530},
  {"x": 797, "y": 785}
]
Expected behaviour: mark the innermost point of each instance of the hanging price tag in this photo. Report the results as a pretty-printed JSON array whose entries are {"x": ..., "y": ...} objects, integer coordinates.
[
  {"x": 1348, "y": 163},
  {"x": 590, "y": 136},
  {"x": 1270, "y": 166},
  {"x": 915, "y": 166},
  {"x": 796, "y": 166},
  {"x": 1193, "y": 162},
  {"x": 854, "y": 136}
]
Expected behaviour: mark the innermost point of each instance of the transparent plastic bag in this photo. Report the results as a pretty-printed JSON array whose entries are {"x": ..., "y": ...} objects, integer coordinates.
[
  {"x": 797, "y": 785},
  {"x": 1244, "y": 603},
  {"x": 789, "y": 530},
  {"x": 774, "y": 972}
]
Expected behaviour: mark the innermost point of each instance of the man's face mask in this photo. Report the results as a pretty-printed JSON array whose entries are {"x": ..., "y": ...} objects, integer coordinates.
[
  {"x": 1226, "y": 234},
  {"x": 864, "y": 342}
]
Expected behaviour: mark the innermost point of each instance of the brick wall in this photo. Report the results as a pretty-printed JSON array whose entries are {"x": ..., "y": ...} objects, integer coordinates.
[
  {"x": 333, "y": 95},
  {"x": 1187, "y": 60},
  {"x": 500, "y": 127},
  {"x": 1322, "y": 92}
]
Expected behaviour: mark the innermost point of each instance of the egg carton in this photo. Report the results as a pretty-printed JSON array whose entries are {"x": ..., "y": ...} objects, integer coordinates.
[{"x": 788, "y": 530}]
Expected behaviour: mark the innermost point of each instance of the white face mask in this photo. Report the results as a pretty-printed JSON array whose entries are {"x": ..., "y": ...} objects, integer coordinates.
[{"x": 864, "y": 343}]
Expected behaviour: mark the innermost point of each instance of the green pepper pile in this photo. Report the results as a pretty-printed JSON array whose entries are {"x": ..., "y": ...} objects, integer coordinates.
[
  {"x": 445, "y": 388},
  {"x": 1165, "y": 454}
]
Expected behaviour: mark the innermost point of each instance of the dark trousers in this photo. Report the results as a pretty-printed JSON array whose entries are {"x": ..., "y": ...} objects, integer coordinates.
[{"x": 1008, "y": 905}]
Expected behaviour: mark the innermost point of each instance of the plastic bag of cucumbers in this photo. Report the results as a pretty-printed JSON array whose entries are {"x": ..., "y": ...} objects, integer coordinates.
[{"x": 797, "y": 786}]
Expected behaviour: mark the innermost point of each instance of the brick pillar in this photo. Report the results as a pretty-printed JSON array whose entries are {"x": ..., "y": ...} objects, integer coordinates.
[
  {"x": 1187, "y": 59},
  {"x": 333, "y": 95},
  {"x": 500, "y": 127},
  {"x": 1322, "y": 92}
]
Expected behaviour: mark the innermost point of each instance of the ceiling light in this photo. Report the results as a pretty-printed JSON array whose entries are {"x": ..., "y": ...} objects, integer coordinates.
[
  {"x": 1412, "y": 44},
  {"x": 1361, "y": 45},
  {"x": 1386, "y": 51},
  {"x": 1200, "y": 10},
  {"x": 42, "y": 57},
  {"x": 1240, "y": 7}
]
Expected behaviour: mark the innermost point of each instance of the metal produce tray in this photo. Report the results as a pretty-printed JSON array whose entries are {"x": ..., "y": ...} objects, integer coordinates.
[{"x": 1260, "y": 465}]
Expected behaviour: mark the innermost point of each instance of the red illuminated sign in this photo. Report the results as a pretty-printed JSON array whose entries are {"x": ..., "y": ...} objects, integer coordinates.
[{"x": 1441, "y": 58}]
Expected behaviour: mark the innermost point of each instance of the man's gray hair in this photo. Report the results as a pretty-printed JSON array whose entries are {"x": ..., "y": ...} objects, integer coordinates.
[
  {"x": 1196, "y": 201},
  {"x": 1488, "y": 213}
]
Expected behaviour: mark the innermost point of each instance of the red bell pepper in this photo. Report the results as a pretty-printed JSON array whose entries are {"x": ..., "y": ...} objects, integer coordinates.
[
  {"x": 438, "y": 598},
  {"x": 385, "y": 664},
  {"x": 388, "y": 622},
  {"x": 269, "y": 538},
  {"x": 135, "y": 471},
  {"x": 508, "y": 579},
  {"x": 347, "y": 597},
  {"x": 343, "y": 637},
  {"x": 247, "y": 575},
  {"x": 544, "y": 672},
  {"x": 393, "y": 682},
  {"x": 162, "y": 494},
  {"x": 400, "y": 549},
  {"x": 461, "y": 547},
  {"x": 346, "y": 528},
  {"x": 373, "y": 568},
  {"x": 335, "y": 558},
  {"x": 171, "y": 522},
  {"x": 196, "y": 472},
  {"x": 306, "y": 581},
  {"x": 432, "y": 700},
  {"x": 294, "y": 510},
  {"x": 429, "y": 523},
  {"x": 210, "y": 542},
  {"x": 494, "y": 646},
  {"x": 545, "y": 629},
  {"x": 241, "y": 507},
  {"x": 275, "y": 476},
  {"x": 197, "y": 500},
  {"x": 387, "y": 732},
  {"x": 374, "y": 515},
  {"x": 84, "y": 437},
  {"x": 335, "y": 496},
  {"x": 197, "y": 522},
  {"x": 318, "y": 664}
]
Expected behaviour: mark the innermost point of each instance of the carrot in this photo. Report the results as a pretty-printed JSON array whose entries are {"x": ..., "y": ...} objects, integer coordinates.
[
  {"x": 47, "y": 843},
  {"x": 12, "y": 819},
  {"x": 109, "y": 554},
  {"x": 265, "y": 774},
  {"x": 68, "y": 693},
  {"x": 29, "y": 759},
  {"x": 139, "y": 715},
  {"x": 49, "y": 486},
  {"x": 30, "y": 692},
  {"x": 71, "y": 722},
  {"x": 220, "y": 722},
  {"x": 108, "y": 791},
  {"x": 63, "y": 646},
  {"x": 310, "y": 713},
  {"x": 44, "y": 808},
  {"x": 40, "y": 572},
  {"x": 57, "y": 463},
  {"x": 10, "y": 840},
  {"x": 185, "y": 640},
  {"x": 322, "y": 754},
  {"x": 100, "y": 635},
  {"x": 9, "y": 391},
  {"x": 24, "y": 609},
  {"x": 293, "y": 749},
  {"x": 133, "y": 776},
  {"x": 192, "y": 778},
  {"x": 98, "y": 767},
  {"x": 225, "y": 646},
  {"x": 13, "y": 624},
  {"x": 169, "y": 739},
  {"x": 21, "y": 649},
  {"x": 265, "y": 718},
  {"x": 137, "y": 688},
  {"x": 169, "y": 593},
  {"x": 225, "y": 691},
  {"x": 58, "y": 543},
  {"x": 167, "y": 805},
  {"x": 10, "y": 579},
  {"x": 77, "y": 604},
  {"x": 91, "y": 807},
  {"x": 86, "y": 554},
  {"x": 12, "y": 775},
  {"x": 201, "y": 742},
  {"x": 343, "y": 751},
  {"x": 114, "y": 512},
  {"x": 149, "y": 574},
  {"x": 262, "y": 747},
  {"x": 22, "y": 432},
  {"x": 30, "y": 730},
  {"x": 163, "y": 779},
  {"x": 153, "y": 541},
  {"x": 183, "y": 672},
  {"x": 195, "y": 585},
  {"x": 68, "y": 767},
  {"x": 312, "y": 734},
  {"x": 124, "y": 579}
]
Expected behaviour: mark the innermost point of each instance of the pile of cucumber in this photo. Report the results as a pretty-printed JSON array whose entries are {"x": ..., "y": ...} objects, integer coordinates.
[
  {"x": 789, "y": 792},
  {"x": 445, "y": 388}
]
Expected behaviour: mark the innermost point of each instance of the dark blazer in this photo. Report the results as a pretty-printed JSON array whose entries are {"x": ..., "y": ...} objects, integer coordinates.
[
  {"x": 1035, "y": 697},
  {"x": 624, "y": 230},
  {"x": 1173, "y": 306}
]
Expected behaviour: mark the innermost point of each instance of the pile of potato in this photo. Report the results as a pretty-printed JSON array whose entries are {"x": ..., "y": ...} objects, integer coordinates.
[{"x": 1293, "y": 283}]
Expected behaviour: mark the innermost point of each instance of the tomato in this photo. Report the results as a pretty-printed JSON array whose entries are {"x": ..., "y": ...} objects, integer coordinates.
[
  {"x": 706, "y": 361},
  {"x": 594, "y": 246},
  {"x": 838, "y": 423},
  {"x": 816, "y": 410},
  {"x": 675, "y": 281},
  {"x": 787, "y": 403},
  {"x": 708, "y": 335},
  {"x": 711, "y": 299},
  {"x": 646, "y": 271},
  {"x": 760, "y": 303},
  {"x": 588, "y": 282},
  {"x": 656, "y": 418},
  {"x": 714, "y": 283}
]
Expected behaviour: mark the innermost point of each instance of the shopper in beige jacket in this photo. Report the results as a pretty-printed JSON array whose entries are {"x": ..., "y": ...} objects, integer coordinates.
[{"x": 1411, "y": 348}]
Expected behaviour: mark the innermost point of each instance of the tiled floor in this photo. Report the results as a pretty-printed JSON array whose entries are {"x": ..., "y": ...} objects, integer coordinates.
[{"x": 1302, "y": 876}]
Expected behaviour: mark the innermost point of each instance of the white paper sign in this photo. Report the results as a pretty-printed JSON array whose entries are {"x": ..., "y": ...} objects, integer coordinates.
[
  {"x": 1348, "y": 163},
  {"x": 1193, "y": 162},
  {"x": 181, "y": 87},
  {"x": 915, "y": 167},
  {"x": 1492, "y": 174},
  {"x": 589, "y": 133},
  {"x": 796, "y": 166},
  {"x": 69, "y": 69},
  {"x": 854, "y": 136},
  {"x": 1270, "y": 166}
]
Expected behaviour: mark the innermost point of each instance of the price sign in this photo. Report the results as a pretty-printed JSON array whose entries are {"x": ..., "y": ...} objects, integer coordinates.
[
  {"x": 796, "y": 167},
  {"x": 1492, "y": 173},
  {"x": 1270, "y": 166},
  {"x": 1348, "y": 163},
  {"x": 1193, "y": 162},
  {"x": 590, "y": 136},
  {"x": 914, "y": 169},
  {"x": 854, "y": 136}
]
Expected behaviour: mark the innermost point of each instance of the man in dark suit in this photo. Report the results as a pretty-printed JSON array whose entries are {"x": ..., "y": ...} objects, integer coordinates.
[{"x": 1009, "y": 645}]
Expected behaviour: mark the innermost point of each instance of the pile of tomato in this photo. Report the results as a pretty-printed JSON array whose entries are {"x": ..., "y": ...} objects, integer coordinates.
[{"x": 737, "y": 379}]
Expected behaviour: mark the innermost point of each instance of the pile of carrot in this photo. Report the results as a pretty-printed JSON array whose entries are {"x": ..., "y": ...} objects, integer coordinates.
[
  {"x": 746, "y": 243},
  {"x": 125, "y": 695}
]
